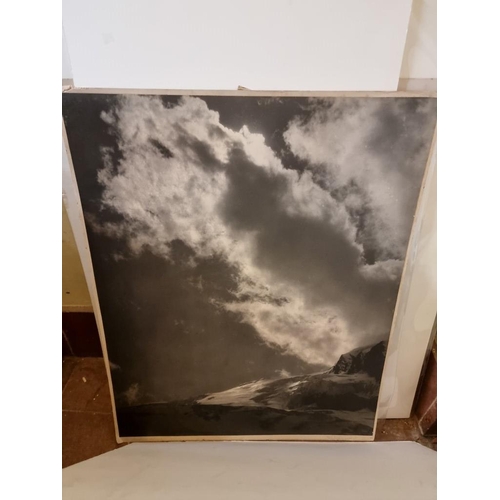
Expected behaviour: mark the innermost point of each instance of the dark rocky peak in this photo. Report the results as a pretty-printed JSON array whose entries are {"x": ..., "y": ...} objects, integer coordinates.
[{"x": 368, "y": 359}]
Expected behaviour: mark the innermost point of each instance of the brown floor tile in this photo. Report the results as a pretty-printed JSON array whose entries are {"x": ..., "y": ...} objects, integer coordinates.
[
  {"x": 397, "y": 430},
  {"x": 429, "y": 419},
  {"x": 68, "y": 363},
  {"x": 87, "y": 388},
  {"x": 86, "y": 435},
  {"x": 428, "y": 391},
  {"x": 431, "y": 432}
]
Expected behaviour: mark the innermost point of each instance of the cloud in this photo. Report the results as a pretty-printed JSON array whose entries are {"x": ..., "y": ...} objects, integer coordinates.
[
  {"x": 297, "y": 242},
  {"x": 130, "y": 396},
  {"x": 370, "y": 155}
]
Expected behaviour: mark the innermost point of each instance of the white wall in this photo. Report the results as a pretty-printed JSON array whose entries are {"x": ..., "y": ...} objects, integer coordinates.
[
  {"x": 220, "y": 44},
  {"x": 75, "y": 293},
  {"x": 420, "y": 53},
  {"x": 419, "y": 60},
  {"x": 67, "y": 73}
]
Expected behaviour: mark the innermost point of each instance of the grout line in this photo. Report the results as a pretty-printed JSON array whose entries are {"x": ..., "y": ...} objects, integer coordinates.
[
  {"x": 434, "y": 401},
  {"x": 72, "y": 370},
  {"x": 425, "y": 413}
]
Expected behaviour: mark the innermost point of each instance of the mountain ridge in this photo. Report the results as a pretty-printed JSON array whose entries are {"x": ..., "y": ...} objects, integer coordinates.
[
  {"x": 351, "y": 384},
  {"x": 341, "y": 400}
]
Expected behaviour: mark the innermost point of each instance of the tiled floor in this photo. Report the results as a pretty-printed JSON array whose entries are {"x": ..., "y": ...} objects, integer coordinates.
[{"x": 87, "y": 419}]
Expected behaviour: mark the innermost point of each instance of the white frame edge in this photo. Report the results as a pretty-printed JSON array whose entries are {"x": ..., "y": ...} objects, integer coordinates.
[{"x": 416, "y": 306}]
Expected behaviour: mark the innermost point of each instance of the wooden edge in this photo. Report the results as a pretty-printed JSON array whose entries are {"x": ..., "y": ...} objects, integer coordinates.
[
  {"x": 253, "y": 93},
  {"x": 409, "y": 263},
  {"x": 278, "y": 437},
  {"x": 417, "y": 84},
  {"x": 91, "y": 279},
  {"x": 77, "y": 309}
]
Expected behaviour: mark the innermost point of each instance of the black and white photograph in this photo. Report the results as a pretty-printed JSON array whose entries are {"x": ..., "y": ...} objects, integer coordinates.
[{"x": 247, "y": 253}]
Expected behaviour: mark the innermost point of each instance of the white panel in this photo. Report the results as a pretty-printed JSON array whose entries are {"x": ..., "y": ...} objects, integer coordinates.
[
  {"x": 415, "y": 311},
  {"x": 243, "y": 471},
  {"x": 66, "y": 63},
  {"x": 421, "y": 44},
  {"x": 220, "y": 44}
]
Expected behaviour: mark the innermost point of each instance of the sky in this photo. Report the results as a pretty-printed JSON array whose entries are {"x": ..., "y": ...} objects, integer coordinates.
[{"x": 240, "y": 238}]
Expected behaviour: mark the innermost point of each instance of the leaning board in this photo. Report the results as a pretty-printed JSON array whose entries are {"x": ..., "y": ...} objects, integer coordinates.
[{"x": 247, "y": 253}]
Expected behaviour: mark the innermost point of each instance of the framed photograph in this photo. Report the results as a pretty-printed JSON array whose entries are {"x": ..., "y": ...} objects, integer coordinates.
[{"x": 247, "y": 250}]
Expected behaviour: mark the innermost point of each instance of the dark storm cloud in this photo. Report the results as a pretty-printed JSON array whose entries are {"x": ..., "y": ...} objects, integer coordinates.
[
  {"x": 173, "y": 341},
  {"x": 200, "y": 151},
  {"x": 268, "y": 116},
  {"x": 162, "y": 149},
  {"x": 313, "y": 254}
]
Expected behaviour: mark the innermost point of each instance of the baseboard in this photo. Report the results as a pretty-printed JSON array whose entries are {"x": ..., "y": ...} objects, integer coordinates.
[{"x": 80, "y": 335}]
